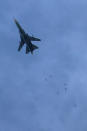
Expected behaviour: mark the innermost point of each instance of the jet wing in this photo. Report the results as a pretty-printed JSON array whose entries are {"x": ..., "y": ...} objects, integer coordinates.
[
  {"x": 20, "y": 45},
  {"x": 34, "y": 39}
]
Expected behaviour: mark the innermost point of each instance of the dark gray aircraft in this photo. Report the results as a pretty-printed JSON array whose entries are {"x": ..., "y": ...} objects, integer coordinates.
[{"x": 26, "y": 39}]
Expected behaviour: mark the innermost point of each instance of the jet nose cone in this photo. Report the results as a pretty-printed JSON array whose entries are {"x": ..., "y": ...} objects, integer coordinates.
[{"x": 15, "y": 20}]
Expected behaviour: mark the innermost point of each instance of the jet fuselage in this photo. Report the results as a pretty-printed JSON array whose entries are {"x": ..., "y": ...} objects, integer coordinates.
[
  {"x": 26, "y": 39},
  {"x": 23, "y": 35}
]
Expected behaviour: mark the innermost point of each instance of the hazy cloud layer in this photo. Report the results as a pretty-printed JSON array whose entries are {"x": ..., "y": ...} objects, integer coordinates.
[{"x": 46, "y": 91}]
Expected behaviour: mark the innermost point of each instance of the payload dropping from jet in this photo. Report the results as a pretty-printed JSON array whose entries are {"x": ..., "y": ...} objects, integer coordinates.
[{"x": 26, "y": 39}]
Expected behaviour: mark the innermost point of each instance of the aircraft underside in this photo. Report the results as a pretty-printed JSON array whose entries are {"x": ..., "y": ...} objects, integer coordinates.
[
  {"x": 29, "y": 48},
  {"x": 25, "y": 38}
]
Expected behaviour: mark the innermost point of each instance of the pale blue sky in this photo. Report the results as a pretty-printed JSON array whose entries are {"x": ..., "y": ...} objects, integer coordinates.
[{"x": 46, "y": 91}]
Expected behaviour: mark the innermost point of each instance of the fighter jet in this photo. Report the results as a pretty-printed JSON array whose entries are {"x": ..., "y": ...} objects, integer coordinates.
[{"x": 26, "y": 39}]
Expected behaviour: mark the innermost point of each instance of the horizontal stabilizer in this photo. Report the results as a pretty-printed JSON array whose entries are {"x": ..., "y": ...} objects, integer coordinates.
[
  {"x": 34, "y": 47},
  {"x": 27, "y": 50},
  {"x": 34, "y": 39}
]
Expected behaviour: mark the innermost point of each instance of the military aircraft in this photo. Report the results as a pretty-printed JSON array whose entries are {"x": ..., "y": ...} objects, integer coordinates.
[{"x": 26, "y": 39}]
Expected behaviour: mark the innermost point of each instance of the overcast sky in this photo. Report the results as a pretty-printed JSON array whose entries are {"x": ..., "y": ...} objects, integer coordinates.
[{"x": 46, "y": 91}]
